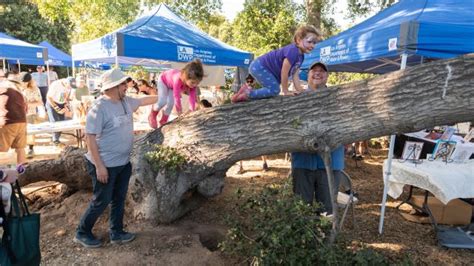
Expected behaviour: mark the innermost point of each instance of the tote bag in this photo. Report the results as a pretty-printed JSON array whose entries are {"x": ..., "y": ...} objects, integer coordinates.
[{"x": 20, "y": 239}]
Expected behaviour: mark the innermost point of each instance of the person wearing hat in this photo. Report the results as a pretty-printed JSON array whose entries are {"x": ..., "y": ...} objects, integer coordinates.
[
  {"x": 109, "y": 136},
  {"x": 308, "y": 170},
  {"x": 12, "y": 117},
  {"x": 57, "y": 102},
  {"x": 317, "y": 76}
]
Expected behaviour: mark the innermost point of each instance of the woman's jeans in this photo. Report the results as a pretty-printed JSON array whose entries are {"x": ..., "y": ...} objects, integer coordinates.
[
  {"x": 270, "y": 85},
  {"x": 114, "y": 192}
]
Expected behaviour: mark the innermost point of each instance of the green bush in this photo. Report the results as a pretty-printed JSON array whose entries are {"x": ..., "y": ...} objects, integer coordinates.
[
  {"x": 273, "y": 227},
  {"x": 165, "y": 158}
]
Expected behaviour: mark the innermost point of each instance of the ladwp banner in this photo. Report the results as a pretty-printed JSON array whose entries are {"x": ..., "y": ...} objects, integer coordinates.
[{"x": 186, "y": 54}]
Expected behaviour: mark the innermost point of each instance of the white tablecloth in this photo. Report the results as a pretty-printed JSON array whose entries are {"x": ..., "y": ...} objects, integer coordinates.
[
  {"x": 48, "y": 127},
  {"x": 444, "y": 181}
]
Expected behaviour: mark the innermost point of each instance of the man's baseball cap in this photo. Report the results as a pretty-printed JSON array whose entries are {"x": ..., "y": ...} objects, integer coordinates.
[{"x": 319, "y": 64}]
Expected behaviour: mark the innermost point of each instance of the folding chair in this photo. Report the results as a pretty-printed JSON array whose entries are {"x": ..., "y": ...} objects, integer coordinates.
[{"x": 344, "y": 200}]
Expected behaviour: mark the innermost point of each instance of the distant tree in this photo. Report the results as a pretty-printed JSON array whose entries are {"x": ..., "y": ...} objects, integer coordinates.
[
  {"x": 217, "y": 26},
  {"x": 195, "y": 11},
  {"x": 362, "y": 7},
  {"x": 22, "y": 20},
  {"x": 264, "y": 25},
  {"x": 319, "y": 13},
  {"x": 90, "y": 18}
]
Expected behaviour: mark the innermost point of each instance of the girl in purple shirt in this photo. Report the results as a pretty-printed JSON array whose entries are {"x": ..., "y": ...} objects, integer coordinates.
[
  {"x": 171, "y": 84},
  {"x": 276, "y": 67}
]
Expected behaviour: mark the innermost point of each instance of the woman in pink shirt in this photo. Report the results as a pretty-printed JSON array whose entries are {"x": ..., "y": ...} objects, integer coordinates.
[{"x": 171, "y": 84}]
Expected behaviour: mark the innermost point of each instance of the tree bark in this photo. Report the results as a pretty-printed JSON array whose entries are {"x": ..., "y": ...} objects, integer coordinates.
[
  {"x": 69, "y": 169},
  {"x": 212, "y": 140},
  {"x": 313, "y": 12}
]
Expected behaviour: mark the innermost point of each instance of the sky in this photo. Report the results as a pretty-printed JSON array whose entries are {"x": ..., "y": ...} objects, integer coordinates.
[{"x": 231, "y": 7}]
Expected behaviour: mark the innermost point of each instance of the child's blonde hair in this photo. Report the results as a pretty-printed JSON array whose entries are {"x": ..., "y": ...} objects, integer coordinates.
[
  {"x": 193, "y": 70},
  {"x": 303, "y": 30}
]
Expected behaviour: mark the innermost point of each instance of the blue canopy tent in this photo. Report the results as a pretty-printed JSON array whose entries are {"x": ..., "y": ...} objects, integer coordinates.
[
  {"x": 407, "y": 33},
  {"x": 158, "y": 36},
  {"x": 11, "y": 48},
  {"x": 421, "y": 29},
  {"x": 56, "y": 57}
]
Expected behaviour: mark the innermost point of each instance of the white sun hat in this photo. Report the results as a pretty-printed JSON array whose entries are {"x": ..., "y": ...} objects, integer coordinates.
[{"x": 112, "y": 78}]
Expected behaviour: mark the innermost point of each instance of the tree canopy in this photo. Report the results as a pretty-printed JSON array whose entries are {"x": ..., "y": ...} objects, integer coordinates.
[
  {"x": 22, "y": 20},
  {"x": 264, "y": 25}
]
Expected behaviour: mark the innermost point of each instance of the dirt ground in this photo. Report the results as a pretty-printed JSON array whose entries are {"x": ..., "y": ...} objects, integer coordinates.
[{"x": 193, "y": 239}]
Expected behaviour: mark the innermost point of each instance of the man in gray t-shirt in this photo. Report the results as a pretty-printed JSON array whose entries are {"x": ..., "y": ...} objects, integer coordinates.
[{"x": 109, "y": 136}]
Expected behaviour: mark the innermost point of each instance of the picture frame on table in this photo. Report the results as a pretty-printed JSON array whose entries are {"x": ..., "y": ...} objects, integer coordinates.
[
  {"x": 448, "y": 133},
  {"x": 412, "y": 150},
  {"x": 443, "y": 150},
  {"x": 469, "y": 136},
  {"x": 462, "y": 153}
]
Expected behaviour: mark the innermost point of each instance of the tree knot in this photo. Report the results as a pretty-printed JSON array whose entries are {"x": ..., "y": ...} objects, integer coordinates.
[{"x": 312, "y": 144}]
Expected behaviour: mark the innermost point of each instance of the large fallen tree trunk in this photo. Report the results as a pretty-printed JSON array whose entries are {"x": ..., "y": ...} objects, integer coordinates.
[{"x": 214, "y": 139}]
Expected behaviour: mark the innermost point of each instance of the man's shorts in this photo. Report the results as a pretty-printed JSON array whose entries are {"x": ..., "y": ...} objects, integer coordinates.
[{"x": 12, "y": 136}]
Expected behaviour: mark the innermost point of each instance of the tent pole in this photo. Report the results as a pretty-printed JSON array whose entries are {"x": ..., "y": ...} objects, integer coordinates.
[
  {"x": 116, "y": 62},
  {"x": 18, "y": 63},
  {"x": 47, "y": 72},
  {"x": 73, "y": 69},
  {"x": 4, "y": 65},
  {"x": 387, "y": 174},
  {"x": 67, "y": 68}
]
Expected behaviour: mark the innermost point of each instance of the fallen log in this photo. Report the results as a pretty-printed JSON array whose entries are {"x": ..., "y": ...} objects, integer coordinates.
[{"x": 212, "y": 140}]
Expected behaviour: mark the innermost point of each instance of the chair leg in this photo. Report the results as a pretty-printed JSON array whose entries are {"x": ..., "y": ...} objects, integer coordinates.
[
  {"x": 343, "y": 217},
  {"x": 353, "y": 216}
]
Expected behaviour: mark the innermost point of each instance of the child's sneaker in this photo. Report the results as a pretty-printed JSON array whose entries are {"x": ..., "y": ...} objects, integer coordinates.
[
  {"x": 164, "y": 119},
  {"x": 152, "y": 119},
  {"x": 239, "y": 97},
  {"x": 242, "y": 95}
]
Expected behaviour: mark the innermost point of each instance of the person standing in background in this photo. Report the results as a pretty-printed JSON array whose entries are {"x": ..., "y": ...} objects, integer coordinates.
[
  {"x": 12, "y": 117},
  {"x": 33, "y": 98},
  {"x": 41, "y": 80},
  {"x": 145, "y": 88},
  {"x": 53, "y": 76},
  {"x": 57, "y": 104},
  {"x": 82, "y": 89}
]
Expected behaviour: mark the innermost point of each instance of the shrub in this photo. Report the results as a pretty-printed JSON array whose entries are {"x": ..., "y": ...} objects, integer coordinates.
[
  {"x": 273, "y": 227},
  {"x": 165, "y": 158}
]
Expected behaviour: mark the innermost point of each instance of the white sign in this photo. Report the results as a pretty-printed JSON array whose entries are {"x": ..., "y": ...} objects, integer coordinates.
[
  {"x": 39, "y": 55},
  {"x": 392, "y": 44},
  {"x": 325, "y": 51},
  {"x": 185, "y": 53}
]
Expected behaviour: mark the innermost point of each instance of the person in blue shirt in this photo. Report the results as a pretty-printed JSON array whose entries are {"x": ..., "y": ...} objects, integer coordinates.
[
  {"x": 308, "y": 170},
  {"x": 310, "y": 177}
]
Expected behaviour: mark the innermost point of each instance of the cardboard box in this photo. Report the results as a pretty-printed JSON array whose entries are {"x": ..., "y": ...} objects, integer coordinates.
[{"x": 456, "y": 212}]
